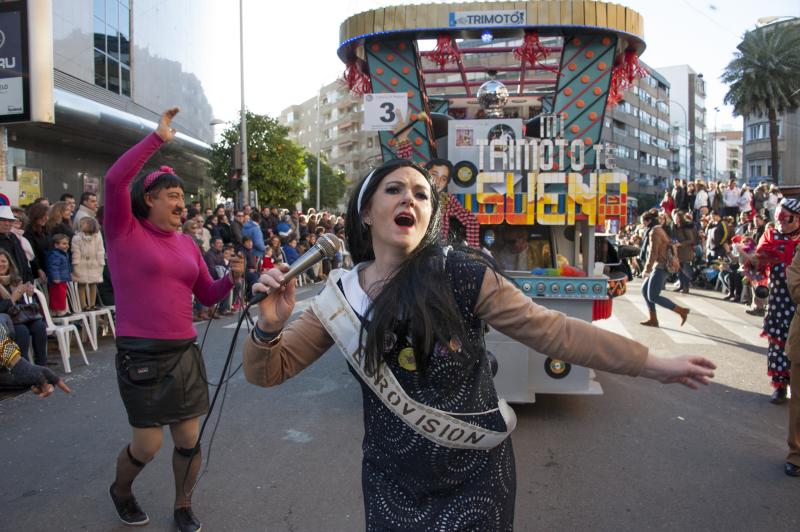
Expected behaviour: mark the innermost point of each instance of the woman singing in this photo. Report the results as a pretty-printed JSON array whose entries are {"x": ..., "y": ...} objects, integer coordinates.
[
  {"x": 155, "y": 269},
  {"x": 436, "y": 451}
]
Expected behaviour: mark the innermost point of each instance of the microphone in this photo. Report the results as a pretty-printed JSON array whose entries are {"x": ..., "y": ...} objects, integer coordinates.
[{"x": 325, "y": 248}]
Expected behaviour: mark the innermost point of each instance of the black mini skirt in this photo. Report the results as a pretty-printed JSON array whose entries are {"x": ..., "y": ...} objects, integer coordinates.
[{"x": 161, "y": 381}]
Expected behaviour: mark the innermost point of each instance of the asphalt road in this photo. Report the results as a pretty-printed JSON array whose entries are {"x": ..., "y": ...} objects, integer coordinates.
[{"x": 643, "y": 456}]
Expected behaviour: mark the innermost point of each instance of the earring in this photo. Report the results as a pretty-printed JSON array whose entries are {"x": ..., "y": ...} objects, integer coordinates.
[{"x": 367, "y": 221}]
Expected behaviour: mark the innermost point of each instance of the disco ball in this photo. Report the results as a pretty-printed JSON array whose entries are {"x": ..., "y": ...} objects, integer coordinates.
[{"x": 492, "y": 97}]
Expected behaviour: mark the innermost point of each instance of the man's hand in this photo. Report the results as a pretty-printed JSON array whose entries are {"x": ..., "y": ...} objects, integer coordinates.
[{"x": 164, "y": 131}]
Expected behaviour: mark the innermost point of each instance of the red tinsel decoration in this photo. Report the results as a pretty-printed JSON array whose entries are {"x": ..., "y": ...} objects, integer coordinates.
[
  {"x": 626, "y": 69},
  {"x": 445, "y": 51},
  {"x": 356, "y": 77},
  {"x": 531, "y": 49}
]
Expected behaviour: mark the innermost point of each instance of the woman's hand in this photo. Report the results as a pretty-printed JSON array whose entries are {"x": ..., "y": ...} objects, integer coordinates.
[
  {"x": 275, "y": 310},
  {"x": 164, "y": 131},
  {"x": 687, "y": 370},
  {"x": 17, "y": 292}
]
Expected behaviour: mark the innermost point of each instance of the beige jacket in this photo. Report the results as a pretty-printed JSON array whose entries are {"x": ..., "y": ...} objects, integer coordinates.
[
  {"x": 792, "y": 347},
  {"x": 88, "y": 258},
  {"x": 500, "y": 303},
  {"x": 657, "y": 250}
]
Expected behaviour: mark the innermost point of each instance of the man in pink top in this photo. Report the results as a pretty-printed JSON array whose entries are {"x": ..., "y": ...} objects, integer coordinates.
[{"x": 155, "y": 270}]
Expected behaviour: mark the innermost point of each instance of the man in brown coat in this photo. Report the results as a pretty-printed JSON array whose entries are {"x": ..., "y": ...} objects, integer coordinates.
[{"x": 792, "y": 466}]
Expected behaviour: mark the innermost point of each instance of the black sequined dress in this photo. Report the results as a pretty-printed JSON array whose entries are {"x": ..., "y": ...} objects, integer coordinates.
[{"x": 411, "y": 483}]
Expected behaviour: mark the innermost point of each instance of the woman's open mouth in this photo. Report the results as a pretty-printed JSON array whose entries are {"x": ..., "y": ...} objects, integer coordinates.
[{"x": 404, "y": 219}]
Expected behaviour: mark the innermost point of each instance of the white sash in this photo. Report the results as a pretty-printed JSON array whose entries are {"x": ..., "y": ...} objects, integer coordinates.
[{"x": 337, "y": 316}]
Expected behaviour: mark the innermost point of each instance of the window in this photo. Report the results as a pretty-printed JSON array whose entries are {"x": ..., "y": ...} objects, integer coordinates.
[
  {"x": 760, "y": 131},
  {"x": 112, "y": 45}
]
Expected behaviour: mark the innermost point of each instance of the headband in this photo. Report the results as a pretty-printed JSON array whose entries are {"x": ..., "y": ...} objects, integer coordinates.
[
  {"x": 155, "y": 175},
  {"x": 363, "y": 188}
]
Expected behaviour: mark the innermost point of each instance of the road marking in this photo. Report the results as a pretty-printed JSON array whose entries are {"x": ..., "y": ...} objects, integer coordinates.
[
  {"x": 735, "y": 325},
  {"x": 613, "y": 324},
  {"x": 669, "y": 323}
]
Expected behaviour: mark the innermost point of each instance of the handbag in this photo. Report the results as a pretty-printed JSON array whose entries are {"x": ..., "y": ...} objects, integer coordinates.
[
  {"x": 673, "y": 263},
  {"x": 22, "y": 313}
]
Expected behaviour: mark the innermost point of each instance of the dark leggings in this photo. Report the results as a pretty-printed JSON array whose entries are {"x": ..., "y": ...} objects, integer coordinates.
[
  {"x": 651, "y": 290},
  {"x": 37, "y": 331}
]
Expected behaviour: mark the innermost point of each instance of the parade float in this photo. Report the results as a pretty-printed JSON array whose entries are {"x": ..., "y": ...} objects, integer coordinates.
[{"x": 509, "y": 99}]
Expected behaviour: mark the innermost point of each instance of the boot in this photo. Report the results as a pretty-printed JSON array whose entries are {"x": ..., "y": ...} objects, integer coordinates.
[
  {"x": 683, "y": 312},
  {"x": 652, "y": 322}
]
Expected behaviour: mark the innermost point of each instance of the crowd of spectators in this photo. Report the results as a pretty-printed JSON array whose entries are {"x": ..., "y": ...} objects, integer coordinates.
[
  {"x": 708, "y": 222},
  {"x": 46, "y": 246},
  {"x": 265, "y": 239}
]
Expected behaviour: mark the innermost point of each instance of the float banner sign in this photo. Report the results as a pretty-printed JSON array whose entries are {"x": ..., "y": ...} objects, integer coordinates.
[
  {"x": 14, "y": 80},
  {"x": 486, "y": 19},
  {"x": 383, "y": 111}
]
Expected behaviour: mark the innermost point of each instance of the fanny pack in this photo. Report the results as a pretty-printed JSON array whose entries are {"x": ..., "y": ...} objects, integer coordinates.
[{"x": 337, "y": 316}]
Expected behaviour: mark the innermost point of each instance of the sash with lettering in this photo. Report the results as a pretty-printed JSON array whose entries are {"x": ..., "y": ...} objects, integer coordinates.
[{"x": 337, "y": 316}]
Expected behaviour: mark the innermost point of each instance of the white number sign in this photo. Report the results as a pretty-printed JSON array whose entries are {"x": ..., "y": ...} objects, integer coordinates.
[{"x": 384, "y": 111}]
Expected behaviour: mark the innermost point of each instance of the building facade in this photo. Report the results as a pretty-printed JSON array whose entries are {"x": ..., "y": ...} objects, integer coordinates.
[
  {"x": 687, "y": 113},
  {"x": 726, "y": 155},
  {"x": 334, "y": 129},
  {"x": 117, "y": 65}
]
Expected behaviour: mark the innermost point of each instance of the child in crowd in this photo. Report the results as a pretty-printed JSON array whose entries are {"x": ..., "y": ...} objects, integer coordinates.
[
  {"x": 58, "y": 274},
  {"x": 88, "y": 259}
]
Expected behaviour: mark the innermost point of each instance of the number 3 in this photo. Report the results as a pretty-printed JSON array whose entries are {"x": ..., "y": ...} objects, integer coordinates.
[{"x": 390, "y": 115}]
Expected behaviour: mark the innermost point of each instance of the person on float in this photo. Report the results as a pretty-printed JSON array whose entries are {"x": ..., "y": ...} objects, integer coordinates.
[
  {"x": 440, "y": 170},
  {"x": 774, "y": 252},
  {"x": 414, "y": 313},
  {"x": 155, "y": 269}
]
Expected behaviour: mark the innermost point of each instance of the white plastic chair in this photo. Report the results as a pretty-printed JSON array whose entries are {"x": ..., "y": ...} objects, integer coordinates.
[
  {"x": 61, "y": 332},
  {"x": 73, "y": 296},
  {"x": 76, "y": 317}
]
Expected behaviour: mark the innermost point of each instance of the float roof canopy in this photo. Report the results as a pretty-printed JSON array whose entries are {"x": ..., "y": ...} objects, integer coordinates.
[
  {"x": 550, "y": 19},
  {"x": 553, "y": 17}
]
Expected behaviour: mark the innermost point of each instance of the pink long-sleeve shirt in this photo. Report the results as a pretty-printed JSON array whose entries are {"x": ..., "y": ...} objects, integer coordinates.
[{"x": 154, "y": 272}]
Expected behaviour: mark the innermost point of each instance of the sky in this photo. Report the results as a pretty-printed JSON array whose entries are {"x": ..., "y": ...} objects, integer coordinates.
[{"x": 289, "y": 54}]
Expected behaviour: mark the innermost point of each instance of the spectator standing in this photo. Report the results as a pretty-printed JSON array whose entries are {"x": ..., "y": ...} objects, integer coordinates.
[
  {"x": 714, "y": 196},
  {"x": 667, "y": 203},
  {"x": 58, "y": 274},
  {"x": 224, "y": 228},
  {"x": 284, "y": 227},
  {"x": 691, "y": 195},
  {"x": 745, "y": 202},
  {"x": 773, "y": 199},
  {"x": 36, "y": 233},
  {"x": 88, "y": 260},
  {"x": 760, "y": 198},
  {"x": 678, "y": 194},
  {"x": 716, "y": 237},
  {"x": 252, "y": 230},
  {"x": 12, "y": 245},
  {"x": 701, "y": 197},
  {"x": 88, "y": 207},
  {"x": 60, "y": 220},
  {"x": 237, "y": 224},
  {"x": 685, "y": 235},
  {"x": 69, "y": 199},
  {"x": 730, "y": 199},
  {"x": 17, "y": 228}
]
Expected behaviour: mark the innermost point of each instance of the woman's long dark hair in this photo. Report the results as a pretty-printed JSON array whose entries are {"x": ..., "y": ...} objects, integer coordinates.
[{"x": 419, "y": 296}]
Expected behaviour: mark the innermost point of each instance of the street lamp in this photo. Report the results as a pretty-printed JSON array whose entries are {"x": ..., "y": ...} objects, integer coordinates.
[
  {"x": 714, "y": 145},
  {"x": 686, "y": 146},
  {"x": 243, "y": 121}
]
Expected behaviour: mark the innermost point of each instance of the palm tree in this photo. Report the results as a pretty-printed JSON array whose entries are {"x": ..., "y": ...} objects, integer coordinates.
[{"x": 764, "y": 77}]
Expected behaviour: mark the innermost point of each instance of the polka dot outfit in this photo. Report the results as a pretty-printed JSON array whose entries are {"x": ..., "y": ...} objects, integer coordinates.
[
  {"x": 776, "y": 323},
  {"x": 413, "y": 484}
]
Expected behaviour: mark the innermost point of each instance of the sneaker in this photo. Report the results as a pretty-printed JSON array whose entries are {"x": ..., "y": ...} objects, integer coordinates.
[
  {"x": 128, "y": 509},
  {"x": 186, "y": 521},
  {"x": 756, "y": 311}
]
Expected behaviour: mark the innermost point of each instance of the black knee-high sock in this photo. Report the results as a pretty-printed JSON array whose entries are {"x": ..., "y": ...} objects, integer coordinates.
[
  {"x": 186, "y": 467},
  {"x": 128, "y": 467}
]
